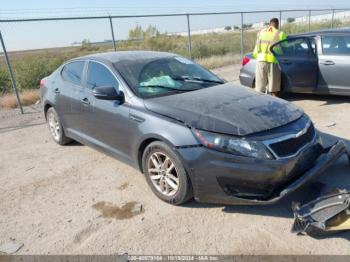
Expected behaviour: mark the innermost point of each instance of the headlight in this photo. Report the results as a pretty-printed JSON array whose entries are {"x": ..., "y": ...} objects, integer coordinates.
[{"x": 233, "y": 145}]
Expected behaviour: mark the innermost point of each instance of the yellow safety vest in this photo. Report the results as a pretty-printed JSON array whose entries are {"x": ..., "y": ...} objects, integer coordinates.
[{"x": 266, "y": 38}]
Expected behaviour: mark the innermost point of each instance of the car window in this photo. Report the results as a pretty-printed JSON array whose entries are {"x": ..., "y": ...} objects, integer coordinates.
[
  {"x": 294, "y": 48},
  {"x": 163, "y": 76},
  {"x": 98, "y": 75},
  {"x": 73, "y": 72},
  {"x": 336, "y": 45}
]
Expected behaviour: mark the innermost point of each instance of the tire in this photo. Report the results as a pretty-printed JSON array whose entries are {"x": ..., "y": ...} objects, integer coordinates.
[
  {"x": 169, "y": 176},
  {"x": 56, "y": 128}
]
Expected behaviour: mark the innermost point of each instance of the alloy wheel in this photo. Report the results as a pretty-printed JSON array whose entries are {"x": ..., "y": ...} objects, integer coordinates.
[
  {"x": 54, "y": 125},
  {"x": 163, "y": 174}
]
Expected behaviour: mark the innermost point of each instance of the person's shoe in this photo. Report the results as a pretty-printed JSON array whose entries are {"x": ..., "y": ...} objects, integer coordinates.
[{"x": 274, "y": 94}]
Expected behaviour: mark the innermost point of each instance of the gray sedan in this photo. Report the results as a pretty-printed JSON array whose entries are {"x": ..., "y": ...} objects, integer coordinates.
[
  {"x": 190, "y": 133},
  {"x": 316, "y": 62}
]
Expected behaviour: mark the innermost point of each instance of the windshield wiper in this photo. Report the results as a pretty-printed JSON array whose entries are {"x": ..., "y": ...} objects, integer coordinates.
[
  {"x": 197, "y": 79},
  {"x": 170, "y": 88}
]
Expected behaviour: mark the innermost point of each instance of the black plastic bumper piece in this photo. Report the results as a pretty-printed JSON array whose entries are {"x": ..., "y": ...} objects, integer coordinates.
[
  {"x": 330, "y": 155},
  {"x": 326, "y": 213}
]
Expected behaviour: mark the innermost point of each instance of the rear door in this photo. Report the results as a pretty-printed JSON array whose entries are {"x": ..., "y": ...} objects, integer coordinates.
[
  {"x": 68, "y": 89},
  {"x": 334, "y": 64},
  {"x": 299, "y": 64}
]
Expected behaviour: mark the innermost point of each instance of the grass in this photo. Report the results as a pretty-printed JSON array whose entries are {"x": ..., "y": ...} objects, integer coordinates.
[
  {"x": 217, "y": 61},
  {"x": 28, "y": 97}
]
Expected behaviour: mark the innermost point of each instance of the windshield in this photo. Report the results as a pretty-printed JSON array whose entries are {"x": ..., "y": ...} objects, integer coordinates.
[{"x": 164, "y": 76}]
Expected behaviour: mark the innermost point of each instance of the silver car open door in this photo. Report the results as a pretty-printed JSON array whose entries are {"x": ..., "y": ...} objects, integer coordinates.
[{"x": 298, "y": 62}]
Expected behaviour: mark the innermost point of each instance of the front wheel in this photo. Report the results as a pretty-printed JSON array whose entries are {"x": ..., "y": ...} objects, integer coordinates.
[{"x": 165, "y": 174}]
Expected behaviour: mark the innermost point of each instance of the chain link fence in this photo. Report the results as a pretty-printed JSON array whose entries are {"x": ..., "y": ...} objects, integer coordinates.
[{"x": 34, "y": 47}]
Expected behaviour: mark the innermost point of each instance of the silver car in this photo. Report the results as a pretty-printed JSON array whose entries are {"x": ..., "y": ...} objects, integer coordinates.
[{"x": 315, "y": 62}]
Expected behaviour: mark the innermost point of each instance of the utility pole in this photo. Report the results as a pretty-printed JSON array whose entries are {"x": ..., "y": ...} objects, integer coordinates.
[{"x": 9, "y": 68}]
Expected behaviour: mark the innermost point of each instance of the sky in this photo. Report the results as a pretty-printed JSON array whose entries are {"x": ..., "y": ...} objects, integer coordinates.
[{"x": 33, "y": 35}]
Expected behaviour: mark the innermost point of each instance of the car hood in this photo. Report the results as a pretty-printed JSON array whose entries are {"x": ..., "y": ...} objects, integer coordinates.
[{"x": 227, "y": 109}]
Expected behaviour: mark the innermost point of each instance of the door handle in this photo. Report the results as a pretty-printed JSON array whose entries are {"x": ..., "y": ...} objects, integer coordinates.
[
  {"x": 57, "y": 91},
  {"x": 327, "y": 63},
  {"x": 136, "y": 118},
  {"x": 85, "y": 101}
]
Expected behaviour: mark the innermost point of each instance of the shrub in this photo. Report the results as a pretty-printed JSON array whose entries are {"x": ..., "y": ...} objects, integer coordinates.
[
  {"x": 290, "y": 20},
  {"x": 87, "y": 46},
  {"x": 30, "y": 71},
  {"x": 5, "y": 83},
  {"x": 28, "y": 97}
]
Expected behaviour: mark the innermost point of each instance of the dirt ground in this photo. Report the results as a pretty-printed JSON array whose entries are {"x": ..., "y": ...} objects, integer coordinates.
[{"x": 75, "y": 200}]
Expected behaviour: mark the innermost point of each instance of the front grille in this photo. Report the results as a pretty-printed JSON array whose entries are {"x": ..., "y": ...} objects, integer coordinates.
[{"x": 292, "y": 145}]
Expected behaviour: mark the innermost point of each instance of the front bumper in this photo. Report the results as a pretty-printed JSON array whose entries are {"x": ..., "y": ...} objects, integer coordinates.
[{"x": 226, "y": 179}]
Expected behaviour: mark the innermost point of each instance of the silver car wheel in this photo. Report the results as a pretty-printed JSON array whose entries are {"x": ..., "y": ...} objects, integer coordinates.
[
  {"x": 54, "y": 126},
  {"x": 163, "y": 174}
]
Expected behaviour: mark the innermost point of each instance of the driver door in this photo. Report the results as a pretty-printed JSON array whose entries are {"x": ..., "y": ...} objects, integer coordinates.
[
  {"x": 298, "y": 63},
  {"x": 106, "y": 122}
]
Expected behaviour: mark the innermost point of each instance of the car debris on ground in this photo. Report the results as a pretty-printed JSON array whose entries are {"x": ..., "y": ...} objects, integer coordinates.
[
  {"x": 332, "y": 124},
  {"x": 328, "y": 213},
  {"x": 137, "y": 209},
  {"x": 10, "y": 247}
]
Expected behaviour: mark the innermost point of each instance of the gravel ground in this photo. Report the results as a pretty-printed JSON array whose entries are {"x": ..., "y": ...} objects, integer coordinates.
[{"x": 75, "y": 200}]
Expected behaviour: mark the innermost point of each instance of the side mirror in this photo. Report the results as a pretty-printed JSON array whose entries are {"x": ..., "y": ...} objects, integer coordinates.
[{"x": 108, "y": 93}]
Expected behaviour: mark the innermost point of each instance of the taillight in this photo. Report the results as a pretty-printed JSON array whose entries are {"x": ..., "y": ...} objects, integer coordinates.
[
  {"x": 42, "y": 82},
  {"x": 245, "y": 60}
]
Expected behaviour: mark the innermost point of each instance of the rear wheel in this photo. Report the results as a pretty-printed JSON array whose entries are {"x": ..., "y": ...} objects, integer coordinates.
[
  {"x": 165, "y": 174},
  {"x": 55, "y": 127}
]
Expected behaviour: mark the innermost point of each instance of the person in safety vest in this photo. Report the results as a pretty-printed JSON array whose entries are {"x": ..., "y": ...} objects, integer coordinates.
[{"x": 267, "y": 72}]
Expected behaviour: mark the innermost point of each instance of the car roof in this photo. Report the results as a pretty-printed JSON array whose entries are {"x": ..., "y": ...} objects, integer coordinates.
[
  {"x": 345, "y": 31},
  {"x": 118, "y": 56}
]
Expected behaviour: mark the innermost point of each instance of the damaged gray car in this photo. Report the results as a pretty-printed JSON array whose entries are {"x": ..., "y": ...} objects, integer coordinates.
[{"x": 189, "y": 132}]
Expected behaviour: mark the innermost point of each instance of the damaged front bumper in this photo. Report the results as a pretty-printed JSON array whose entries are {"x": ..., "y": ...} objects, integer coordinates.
[
  {"x": 330, "y": 155},
  {"x": 225, "y": 179}
]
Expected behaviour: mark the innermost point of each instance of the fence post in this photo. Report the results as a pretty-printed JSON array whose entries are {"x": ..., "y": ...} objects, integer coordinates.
[
  {"x": 112, "y": 31},
  {"x": 309, "y": 20},
  {"x": 332, "y": 23},
  {"x": 189, "y": 36},
  {"x": 281, "y": 19},
  {"x": 9, "y": 68},
  {"x": 242, "y": 35}
]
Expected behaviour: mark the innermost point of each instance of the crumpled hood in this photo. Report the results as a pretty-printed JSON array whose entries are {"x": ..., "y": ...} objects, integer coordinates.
[{"x": 227, "y": 109}]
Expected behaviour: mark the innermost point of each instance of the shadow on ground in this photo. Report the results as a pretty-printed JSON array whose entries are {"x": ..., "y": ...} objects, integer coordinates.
[
  {"x": 18, "y": 127},
  {"x": 12, "y": 120},
  {"x": 327, "y": 99}
]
